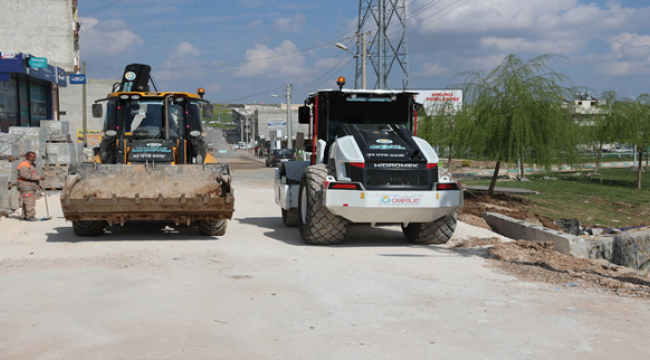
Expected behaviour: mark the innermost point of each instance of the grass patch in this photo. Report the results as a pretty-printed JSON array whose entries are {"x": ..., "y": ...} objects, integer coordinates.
[{"x": 610, "y": 200}]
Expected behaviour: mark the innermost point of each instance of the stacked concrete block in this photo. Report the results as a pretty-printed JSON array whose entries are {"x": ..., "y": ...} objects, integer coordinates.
[
  {"x": 9, "y": 168},
  {"x": 81, "y": 154},
  {"x": 55, "y": 176},
  {"x": 10, "y": 146},
  {"x": 61, "y": 153},
  {"x": 30, "y": 138},
  {"x": 5, "y": 195},
  {"x": 15, "y": 199},
  {"x": 55, "y": 127}
]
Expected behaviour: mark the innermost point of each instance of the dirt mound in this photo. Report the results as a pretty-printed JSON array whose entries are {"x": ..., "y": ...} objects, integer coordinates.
[
  {"x": 476, "y": 242},
  {"x": 538, "y": 261},
  {"x": 474, "y": 221},
  {"x": 477, "y": 203}
]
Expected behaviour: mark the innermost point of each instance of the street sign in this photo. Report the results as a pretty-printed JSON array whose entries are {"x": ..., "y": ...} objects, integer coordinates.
[
  {"x": 38, "y": 62},
  {"x": 77, "y": 79}
]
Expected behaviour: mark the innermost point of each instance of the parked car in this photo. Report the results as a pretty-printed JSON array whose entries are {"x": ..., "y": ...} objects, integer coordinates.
[{"x": 275, "y": 157}]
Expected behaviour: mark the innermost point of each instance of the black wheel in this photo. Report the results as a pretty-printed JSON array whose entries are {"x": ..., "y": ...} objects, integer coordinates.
[
  {"x": 290, "y": 217},
  {"x": 318, "y": 226},
  {"x": 213, "y": 227},
  {"x": 434, "y": 233},
  {"x": 88, "y": 228}
]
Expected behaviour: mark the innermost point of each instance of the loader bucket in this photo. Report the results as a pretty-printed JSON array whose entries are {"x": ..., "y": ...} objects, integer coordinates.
[{"x": 117, "y": 193}]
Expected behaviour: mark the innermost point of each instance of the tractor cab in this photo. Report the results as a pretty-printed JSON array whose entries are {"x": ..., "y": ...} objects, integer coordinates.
[{"x": 143, "y": 126}]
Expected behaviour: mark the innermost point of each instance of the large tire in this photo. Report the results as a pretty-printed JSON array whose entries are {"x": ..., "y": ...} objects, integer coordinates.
[
  {"x": 434, "y": 233},
  {"x": 88, "y": 228},
  {"x": 318, "y": 226},
  {"x": 290, "y": 217},
  {"x": 213, "y": 227}
]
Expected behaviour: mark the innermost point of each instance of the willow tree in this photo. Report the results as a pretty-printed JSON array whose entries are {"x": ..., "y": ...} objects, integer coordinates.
[
  {"x": 518, "y": 114},
  {"x": 602, "y": 129},
  {"x": 632, "y": 119},
  {"x": 438, "y": 126}
]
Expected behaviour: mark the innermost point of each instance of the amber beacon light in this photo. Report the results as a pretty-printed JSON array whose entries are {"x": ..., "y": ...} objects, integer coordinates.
[
  {"x": 201, "y": 92},
  {"x": 340, "y": 82}
]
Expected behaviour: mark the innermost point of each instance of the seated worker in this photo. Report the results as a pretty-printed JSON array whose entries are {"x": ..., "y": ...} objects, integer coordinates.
[
  {"x": 174, "y": 123},
  {"x": 152, "y": 122}
]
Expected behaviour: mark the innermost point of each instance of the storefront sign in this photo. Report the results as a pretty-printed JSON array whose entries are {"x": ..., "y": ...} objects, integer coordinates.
[
  {"x": 277, "y": 122},
  {"x": 93, "y": 137},
  {"x": 38, "y": 63},
  {"x": 15, "y": 64},
  {"x": 437, "y": 101},
  {"x": 8, "y": 55},
  {"x": 77, "y": 79}
]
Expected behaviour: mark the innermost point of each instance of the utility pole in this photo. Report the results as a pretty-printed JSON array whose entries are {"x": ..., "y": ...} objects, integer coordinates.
[
  {"x": 84, "y": 116},
  {"x": 290, "y": 133},
  {"x": 364, "y": 55}
]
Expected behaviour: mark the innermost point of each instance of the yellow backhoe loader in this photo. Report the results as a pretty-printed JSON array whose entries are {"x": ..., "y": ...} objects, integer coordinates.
[{"x": 152, "y": 163}]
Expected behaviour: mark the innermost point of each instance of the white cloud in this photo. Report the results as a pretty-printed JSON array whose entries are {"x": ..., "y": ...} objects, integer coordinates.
[
  {"x": 630, "y": 56},
  {"x": 186, "y": 49},
  {"x": 542, "y": 17},
  {"x": 549, "y": 46},
  {"x": 293, "y": 24},
  {"x": 431, "y": 69},
  {"x": 484, "y": 63},
  {"x": 109, "y": 37},
  {"x": 266, "y": 63},
  {"x": 477, "y": 35},
  {"x": 183, "y": 55}
]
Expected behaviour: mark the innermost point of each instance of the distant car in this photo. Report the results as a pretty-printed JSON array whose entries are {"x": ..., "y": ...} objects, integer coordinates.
[{"x": 276, "y": 157}]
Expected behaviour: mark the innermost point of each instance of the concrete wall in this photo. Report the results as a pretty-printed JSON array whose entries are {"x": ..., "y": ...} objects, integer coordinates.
[
  {"x": 71, "y": 100},
  {"x": 263, "y": 117},
  {"x": 522, "y": 230},
  {"x": 43, "y": 28}
]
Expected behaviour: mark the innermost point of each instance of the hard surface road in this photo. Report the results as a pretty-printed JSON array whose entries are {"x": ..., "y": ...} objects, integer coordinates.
[{"x": 151, "y": 290}]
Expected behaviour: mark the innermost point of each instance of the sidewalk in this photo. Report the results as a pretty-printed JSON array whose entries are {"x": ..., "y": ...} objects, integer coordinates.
[{"x": 250, "y": 155}]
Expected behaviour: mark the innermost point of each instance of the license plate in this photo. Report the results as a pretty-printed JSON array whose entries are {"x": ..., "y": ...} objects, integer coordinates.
[{"x": 400, "y": 200}]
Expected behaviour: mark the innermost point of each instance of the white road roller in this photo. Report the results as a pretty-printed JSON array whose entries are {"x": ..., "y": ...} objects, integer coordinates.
[{"x": 367, "y": 167}]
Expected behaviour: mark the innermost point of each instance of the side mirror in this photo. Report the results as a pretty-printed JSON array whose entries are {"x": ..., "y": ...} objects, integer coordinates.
[
  {"x": 304, "y": 115},
  {"x": 98, "y": 110},
  {"x": 207, "y": 110}
]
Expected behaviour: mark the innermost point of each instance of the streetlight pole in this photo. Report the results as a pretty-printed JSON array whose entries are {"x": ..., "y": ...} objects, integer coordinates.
[
  {"x": 364, "y": 55},
  {"x": 289, "y": 130},
  {"x": 290, "y": 133}
]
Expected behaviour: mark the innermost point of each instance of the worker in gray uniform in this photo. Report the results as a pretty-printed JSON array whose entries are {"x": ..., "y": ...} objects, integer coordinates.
[{"x": 28, "y": 184}]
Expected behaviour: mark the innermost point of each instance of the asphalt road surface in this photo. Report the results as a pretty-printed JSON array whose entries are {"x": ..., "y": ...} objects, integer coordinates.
[{"x": 150, "y": 290}]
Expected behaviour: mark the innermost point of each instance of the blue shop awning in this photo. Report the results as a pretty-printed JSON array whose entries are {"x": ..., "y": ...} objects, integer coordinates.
[{"x": 15, "y": 63}]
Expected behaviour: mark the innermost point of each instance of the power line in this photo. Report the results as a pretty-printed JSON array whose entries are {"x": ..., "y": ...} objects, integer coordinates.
[
  {"x": 335, "y": 67},
  {"x": 101, "y": 8},
  {"x": 238, "y": 62},
  {"x": 248, "y": 96}
]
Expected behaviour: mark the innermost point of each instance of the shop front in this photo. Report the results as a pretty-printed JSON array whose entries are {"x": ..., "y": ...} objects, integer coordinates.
[{"x": 29, "y": 90}]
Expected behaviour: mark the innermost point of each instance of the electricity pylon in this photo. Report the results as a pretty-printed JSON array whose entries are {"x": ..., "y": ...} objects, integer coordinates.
[{"x": 386, "y": 19}]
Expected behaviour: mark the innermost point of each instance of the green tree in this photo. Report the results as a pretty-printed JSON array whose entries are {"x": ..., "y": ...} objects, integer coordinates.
[
  {"x": 438, "y": 127},
  {"x": 601, "y": 129},
  {"x": 518, "y": 114},
  {"x": 632, "y": 124}
]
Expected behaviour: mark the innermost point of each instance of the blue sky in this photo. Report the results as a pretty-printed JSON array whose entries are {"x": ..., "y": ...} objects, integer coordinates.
[{"x": 238, "y": 48}]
